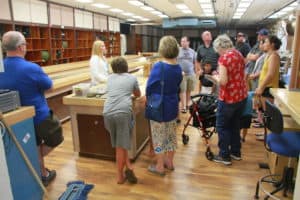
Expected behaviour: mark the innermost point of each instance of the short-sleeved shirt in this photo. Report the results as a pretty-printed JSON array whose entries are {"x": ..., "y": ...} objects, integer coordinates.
[
  {"x": 30, "y": 81},
  {"x": 235, "y": 90},
  {"x": 244, "y": 48},
  {"x": 250, "y": 65},
  {"x": 205, "y": 54},
  {"x": 172, "y": 79},
  {"x": 186, "y": 60},
  {"x": 119, "y": 90}
]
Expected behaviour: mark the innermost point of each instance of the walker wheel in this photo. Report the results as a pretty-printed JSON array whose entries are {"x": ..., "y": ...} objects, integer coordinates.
[
  {"x": 185, "y": 139},
  {"x": 209, "y": 155}
]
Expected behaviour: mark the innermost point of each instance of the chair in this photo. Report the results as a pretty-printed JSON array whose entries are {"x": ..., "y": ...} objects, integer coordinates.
[{"x": 285, "y": 143}]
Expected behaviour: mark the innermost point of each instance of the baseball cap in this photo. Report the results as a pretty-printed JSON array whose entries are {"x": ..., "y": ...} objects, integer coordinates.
[{"x": 263, "y": 31}]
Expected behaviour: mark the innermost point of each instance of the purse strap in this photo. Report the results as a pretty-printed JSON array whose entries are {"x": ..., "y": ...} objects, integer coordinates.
[{"x": 162, "y": 81}]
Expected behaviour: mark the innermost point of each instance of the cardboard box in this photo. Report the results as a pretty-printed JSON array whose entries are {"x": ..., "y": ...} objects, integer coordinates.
[{"x": 277, "y": 163}]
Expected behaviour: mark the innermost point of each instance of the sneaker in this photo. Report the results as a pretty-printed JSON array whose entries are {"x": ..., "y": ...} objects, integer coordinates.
[
  {"x": 219, "y": 159},
  {"x": 235, "y": 157},
  {"x": 129, "y": 174},
  {"x": 47, "y": 179}
]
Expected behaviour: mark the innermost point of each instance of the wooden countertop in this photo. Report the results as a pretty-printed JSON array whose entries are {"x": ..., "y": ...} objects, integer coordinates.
[
  {"x": 66, "y": 75},
  {"x": 290, "y": 100},
  {"x": 19, "y": 115},
  {"x": 99, "y": 101}
]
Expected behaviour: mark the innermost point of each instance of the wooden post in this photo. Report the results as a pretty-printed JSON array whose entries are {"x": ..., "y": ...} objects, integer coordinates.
[{"x": 295, "y": 73}]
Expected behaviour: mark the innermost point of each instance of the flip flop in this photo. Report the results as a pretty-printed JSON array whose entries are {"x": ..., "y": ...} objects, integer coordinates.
[
  {"x": 129, "y": 174},
  {"x": 153, "y": 170}
]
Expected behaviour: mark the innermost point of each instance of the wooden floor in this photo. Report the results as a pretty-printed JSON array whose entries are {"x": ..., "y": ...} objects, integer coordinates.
[{"x": 194, "y": 177}]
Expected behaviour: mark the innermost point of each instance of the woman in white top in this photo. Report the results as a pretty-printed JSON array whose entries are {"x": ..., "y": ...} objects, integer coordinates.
[{"x": 98, "y": 63}]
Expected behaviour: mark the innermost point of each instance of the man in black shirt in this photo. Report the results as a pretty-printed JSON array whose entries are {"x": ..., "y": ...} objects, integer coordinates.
[
  {"x": 206, "y": 53},
  {"x": 241, "y": 44}
]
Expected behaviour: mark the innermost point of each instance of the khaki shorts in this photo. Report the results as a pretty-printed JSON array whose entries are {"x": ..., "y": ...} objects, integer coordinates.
[{"x": 188, "y": 83}]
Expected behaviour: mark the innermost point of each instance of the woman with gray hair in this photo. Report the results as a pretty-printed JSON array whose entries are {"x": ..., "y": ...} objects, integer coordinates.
[{"x": 232, "y": 99}]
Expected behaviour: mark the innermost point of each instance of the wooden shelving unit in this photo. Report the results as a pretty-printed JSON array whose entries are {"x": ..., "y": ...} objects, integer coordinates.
[
  {"x": 4, "y": 28},
  {"x": 54, "y": 45},
  {"x": 138, "y": 43},
  {"x": 104, "y": 36},
  {"x": 114, "y": 44},
  {"x": 38, "y": 46},
  {"x": 84, "y": 43},
  {"x": 62, "y": 45}
]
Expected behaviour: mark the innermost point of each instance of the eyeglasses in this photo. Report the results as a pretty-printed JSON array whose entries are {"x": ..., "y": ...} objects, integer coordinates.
[{"x": 240, "y": 35}]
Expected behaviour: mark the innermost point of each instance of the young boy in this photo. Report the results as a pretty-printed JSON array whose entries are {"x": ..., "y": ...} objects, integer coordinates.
[
  {"x": 118, "y": 117},
  {"x": 207, "y": 86}
]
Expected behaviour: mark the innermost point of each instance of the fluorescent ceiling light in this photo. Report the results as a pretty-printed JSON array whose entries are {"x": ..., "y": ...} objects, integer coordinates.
[
  {"x": 244, "y": 4},
  {"x": 145, "y": 19},
  {"x": 156, "y": 12},
  {"x": 205, "y": 6},
  {"x": 204, "y": 1},
  {"x": 147, "y": 8},
  {"x": 85, "y": 1},
  {"x": 281, "y": 13},
  {"x": 237, "y": 17},
  {"x": 163, "y": 16},
  {"x": 182, "y": 6},
  {"x": 295, "y": 4},
  {"x": 136, "y": 3},
  {"x": 137, "y": 17},
  {"x": 209, "y": 11},
  {"x": 100, "y": 5},
  {"x": 131, "y": 20},
  {"x": 117, "y": 10},
  {"x": 128, "y": 14},
  {"x": 186, "y": 11},
  {"x": 241, "y": 10},
  {"x": 287, "y": 9},
  {"x": 247, "y": 1}
]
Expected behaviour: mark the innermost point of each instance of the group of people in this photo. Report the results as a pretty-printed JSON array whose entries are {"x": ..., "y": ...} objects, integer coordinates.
[{"x": 232, "y": 68}]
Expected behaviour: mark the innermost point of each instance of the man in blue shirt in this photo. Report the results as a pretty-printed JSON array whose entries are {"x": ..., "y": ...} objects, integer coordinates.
[{"x": 31, "y": 82}]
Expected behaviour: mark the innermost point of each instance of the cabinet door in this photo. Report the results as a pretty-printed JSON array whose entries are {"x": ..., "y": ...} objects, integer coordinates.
[
  {"x": 5, "y": 11},
  {"x": 55, "y": 14},
  {"x": 67, "y": 16},
  {"x": 21, "y": 10},
  {"x": 94, "y": 140},
  {"x": 38, "y": 11}
]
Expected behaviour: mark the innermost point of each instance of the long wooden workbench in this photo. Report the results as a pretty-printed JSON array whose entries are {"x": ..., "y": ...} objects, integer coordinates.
[
  {"x": 90, "y": 138},
  {"x": 64, "y": 76}
]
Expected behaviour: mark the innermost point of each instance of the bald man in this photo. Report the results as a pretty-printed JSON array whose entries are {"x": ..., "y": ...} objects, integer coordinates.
[
  {"x": 31, "y": 82},
  {"x": 206, "y": 54}
]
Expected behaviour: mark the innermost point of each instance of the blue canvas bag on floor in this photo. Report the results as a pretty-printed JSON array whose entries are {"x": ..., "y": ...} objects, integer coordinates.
[{"x": 154, "y": 105}]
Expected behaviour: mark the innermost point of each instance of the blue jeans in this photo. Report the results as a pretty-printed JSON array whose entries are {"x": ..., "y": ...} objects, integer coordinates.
[{"x": 228, "y": 127}]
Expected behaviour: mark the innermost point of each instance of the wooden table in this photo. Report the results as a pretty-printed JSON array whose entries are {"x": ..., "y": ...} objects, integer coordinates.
[
  {"x": 90, "y": 137},
  {"x": 66, "y": 75},
  {"x": 290, "y": 102}
]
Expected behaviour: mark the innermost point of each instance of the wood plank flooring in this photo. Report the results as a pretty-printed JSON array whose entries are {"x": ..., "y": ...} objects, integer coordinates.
[{"x": 194, "y": 177}]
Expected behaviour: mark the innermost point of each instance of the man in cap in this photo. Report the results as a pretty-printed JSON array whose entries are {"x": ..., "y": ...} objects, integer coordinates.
[{"x": 255, "y": 52}]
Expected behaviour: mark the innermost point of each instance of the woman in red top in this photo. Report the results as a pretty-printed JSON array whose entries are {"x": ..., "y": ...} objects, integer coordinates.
[{"x": 232, "y": 99}]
